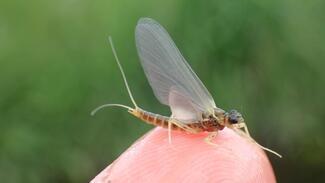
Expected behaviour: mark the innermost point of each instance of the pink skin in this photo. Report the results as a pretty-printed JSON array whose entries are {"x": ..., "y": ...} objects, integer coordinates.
[{"x": 189, "y": 159}]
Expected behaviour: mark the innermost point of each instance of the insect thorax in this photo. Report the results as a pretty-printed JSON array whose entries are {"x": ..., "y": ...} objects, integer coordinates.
[{"x": 211, "y": 122}]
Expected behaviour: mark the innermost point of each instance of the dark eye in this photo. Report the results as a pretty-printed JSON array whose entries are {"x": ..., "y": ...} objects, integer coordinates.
[{"x": 233, "y": 119}]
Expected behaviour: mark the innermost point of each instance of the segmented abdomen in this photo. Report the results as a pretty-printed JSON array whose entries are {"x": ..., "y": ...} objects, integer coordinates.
[
  {"x": 162, "y": 121},
  {"x": 156, "y": 119}
]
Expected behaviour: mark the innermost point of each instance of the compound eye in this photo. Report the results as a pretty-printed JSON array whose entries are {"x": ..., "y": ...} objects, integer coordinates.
[{"x": 233, "y": 119}]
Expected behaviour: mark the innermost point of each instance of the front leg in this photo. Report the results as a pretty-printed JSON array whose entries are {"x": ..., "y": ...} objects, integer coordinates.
[{"x": 243, "y": 125}]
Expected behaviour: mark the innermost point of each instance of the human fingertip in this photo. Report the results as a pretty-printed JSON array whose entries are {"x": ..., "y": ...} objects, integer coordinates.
[{"x": 188, "y": 158}]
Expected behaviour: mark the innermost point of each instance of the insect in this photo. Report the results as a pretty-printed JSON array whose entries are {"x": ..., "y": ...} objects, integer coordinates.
[{"x": 175, "y": 84}]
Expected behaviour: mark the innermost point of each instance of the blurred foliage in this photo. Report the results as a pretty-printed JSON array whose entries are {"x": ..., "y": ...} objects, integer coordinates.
[{"x": 265, "y": 58}]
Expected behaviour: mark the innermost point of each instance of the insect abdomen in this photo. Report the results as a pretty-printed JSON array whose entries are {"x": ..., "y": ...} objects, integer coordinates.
[{"x": 154, "y": 119}]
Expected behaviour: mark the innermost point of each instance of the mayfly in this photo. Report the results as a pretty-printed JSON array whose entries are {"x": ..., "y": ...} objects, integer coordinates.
[{"x": 175, "y": 84}]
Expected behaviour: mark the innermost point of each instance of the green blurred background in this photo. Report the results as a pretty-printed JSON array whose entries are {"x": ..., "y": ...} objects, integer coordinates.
[{"x": 264, "y": 58}]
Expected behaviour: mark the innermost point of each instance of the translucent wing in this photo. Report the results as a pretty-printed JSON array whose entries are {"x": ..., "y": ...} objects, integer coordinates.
[{"x": 173, "y": 81}]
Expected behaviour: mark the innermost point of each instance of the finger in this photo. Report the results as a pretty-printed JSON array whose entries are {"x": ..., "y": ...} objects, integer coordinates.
[{"x": 189, "y": 159}]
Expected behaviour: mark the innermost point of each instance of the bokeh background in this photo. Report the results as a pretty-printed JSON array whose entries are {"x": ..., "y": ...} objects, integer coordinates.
[{"x": 264, "y": 58}]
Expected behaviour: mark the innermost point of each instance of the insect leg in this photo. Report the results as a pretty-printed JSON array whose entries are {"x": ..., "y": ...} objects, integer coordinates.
[
  {"x": 169, "y": 132},
  {"x": 210, "y": 137},
  {"x": 243, "y": 125},
  {"x": 246, "y": 135},
  {"x": 215, "y": 117},
  {"x": 182, "y": 126}
]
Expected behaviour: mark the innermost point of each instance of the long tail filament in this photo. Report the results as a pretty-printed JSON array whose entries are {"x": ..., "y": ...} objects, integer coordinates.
[{"x": 125, "y": 82}]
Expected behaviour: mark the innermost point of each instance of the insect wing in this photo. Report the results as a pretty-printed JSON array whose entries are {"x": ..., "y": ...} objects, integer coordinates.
[{"x": 173, "y": 81}]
